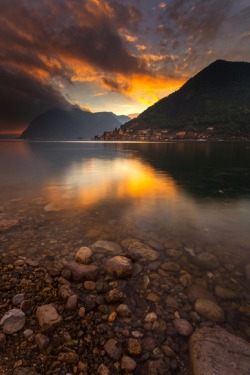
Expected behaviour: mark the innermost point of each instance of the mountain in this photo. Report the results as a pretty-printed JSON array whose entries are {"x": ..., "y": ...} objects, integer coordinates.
[
  {"x": 61, "y": 124},
  {"x": 218, "y": 97}
]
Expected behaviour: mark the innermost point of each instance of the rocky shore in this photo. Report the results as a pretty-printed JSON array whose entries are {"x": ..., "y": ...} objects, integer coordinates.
[{"x": 124, "y": 308}]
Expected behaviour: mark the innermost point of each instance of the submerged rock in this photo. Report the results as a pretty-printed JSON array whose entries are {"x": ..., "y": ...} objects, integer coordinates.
[
  {"x": 183, "y": 327},
  {"x": 214, "y": 351},
  {"x": 137, "y": 250},
  {"x": 106, "y": 246},
  {"x": 209, "y": 310},
  {"x": 7, "y": 224},
  {"x": 113, "y": 348},
  {"x": 84, "y": 255},
  {"x": 119, "y": 266},
  {"x": 224, "y": 293},
  {"x": 82, "y": 272},
  {"x": 48, "y": 317},
  {"x": 206, "y": 261}
]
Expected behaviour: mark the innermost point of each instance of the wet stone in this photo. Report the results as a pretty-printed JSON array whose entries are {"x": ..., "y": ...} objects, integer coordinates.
[
  {"x": 41, "y": 341},
  {"x": 137, "y": 250},
  {"x": 170, "y": 266},
  {"x": 123, "y": 311},
  {"x": 82, "y": 272},
  {"x": 103, "y": 370},
  {"x": 119, "y": 266},
  {"x": 84, "y": 255},
  {"x": 106, "y": 247},
  {"x": 113, "y": 348},
  {"x": 128, "y": 363},
  {"x": 70, "y": 357},
  {"x": 71, "y": 303},
  {"x": 183, "y": 327},
  {"x": 13, "y": 321},
  {"x": 134, "y": 346},
  {"x": 114, "y": 296},
  {"x": 48, "y": 317},
  {"x": 224, "y": 293},
  {"x": 17, "y": 299},
  {"x": 209, "y": 310},
  {"x": 65, "y": 291},
  {"x": 197, "y": 292},
  {"x": 150, "y": 317},
  {"x": 206, "y": 261}
]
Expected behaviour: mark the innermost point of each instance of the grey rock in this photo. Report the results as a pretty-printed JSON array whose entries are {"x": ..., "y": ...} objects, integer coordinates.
[
  {"x": 209, "y": 310},
  {"x": 84, "y": 255},
  {"x": 183, "y": 327},
  {"x": 113, "y": 348},
  {"x": 214, "y": 351},
  {"x": 48, "y": 317},
  {"x": 17, "y": 299},
  {"x": 206, "y": 261},
  {"x": 13, "y": 321},
  {"x": 41, "y": 341},
  {"x": 137, "y": 250},
  {"x": 119, "y": 266},
  {"x": 82, "y": 272},
  {"x": 106, "y": 247}
]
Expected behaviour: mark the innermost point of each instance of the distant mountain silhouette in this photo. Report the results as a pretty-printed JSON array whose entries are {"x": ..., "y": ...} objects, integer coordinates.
[
  {"x": 218, "y": 96},
  {"x": 61, "y": 124}
]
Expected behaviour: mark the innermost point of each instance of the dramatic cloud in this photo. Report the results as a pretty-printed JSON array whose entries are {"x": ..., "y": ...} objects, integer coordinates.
[{"x": 53, "y": 52}]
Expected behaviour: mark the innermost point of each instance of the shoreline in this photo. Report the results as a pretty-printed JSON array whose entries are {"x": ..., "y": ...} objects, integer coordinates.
[{"x": 135, "y": 315}]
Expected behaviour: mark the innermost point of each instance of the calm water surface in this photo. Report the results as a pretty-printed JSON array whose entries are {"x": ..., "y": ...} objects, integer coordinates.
[{"x": 190, "y": 194}]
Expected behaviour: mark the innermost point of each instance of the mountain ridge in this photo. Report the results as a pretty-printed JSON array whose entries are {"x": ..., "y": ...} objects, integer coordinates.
[{"x": 218, "y": 96}]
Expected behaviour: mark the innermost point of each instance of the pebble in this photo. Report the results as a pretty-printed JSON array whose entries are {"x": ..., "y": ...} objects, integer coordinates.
[
  {"x": 103, "y": 370},
  {"x": 41, "y": 341},
  {"x": 150, "y": 317},
  {"x": 128, "y": 363},
  {"x": 123, "y": 311},
  {"x": 137, "y": 250},
  {"x": 82, "y": 272},
  {"x": 17, "y": 299},
  {"x": 224, "y": 293},
  {"x": 84, "y": 255},
  {"x": 170, "y": 266},
  {"x": 114, "y": 296},
  {"x": 13, "y": 321},
  {"x": 106, "y": 246},
  {"x": 113, "y": 348},
  {"x": 183, "y": 327},
  {"x": 206, "y": 261},
  {"x": 48, "y": 317},
  {"x": 72, "y": 302},
  {"x": 28, "y": 333},
  {"x": 134, "y": 346}
]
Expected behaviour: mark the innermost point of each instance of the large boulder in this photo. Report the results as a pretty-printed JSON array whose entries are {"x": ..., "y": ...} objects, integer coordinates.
[
  {"x": 214, "y": 351},
  {"x": 119, "y": 266}
]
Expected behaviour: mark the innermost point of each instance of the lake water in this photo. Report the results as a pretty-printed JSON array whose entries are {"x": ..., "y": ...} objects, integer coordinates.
[
  {"x": 193, "y": 194},
  {"x": 186, "y": 203}
]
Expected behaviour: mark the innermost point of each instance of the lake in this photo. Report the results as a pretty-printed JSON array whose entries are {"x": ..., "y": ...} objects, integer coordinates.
[
  {"x": 194, "y": 194},
  {"x": 179, "y": 212}
]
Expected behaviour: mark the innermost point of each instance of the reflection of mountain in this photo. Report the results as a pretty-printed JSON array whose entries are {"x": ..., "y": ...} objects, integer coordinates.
[{"x": 73, "y": 124}]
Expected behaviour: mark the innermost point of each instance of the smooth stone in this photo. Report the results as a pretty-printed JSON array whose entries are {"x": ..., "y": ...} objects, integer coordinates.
[
  {"x": 215, "y": 351},
  {"x": 224, "y": 293},
  {"x": 206, "y": 261},
  {"x": 119, "y": 267},
  {"x": 72, "y": 302},
  {"x": 150, "y": 317},
  {"x": 123, "y": 311},
  {"x": 28, "y": 333},
  {"x": 128, "y": 363},
  {"x": 170, "y": 266},
  {"x": 157, "y": 367},
  {"x": 48, "y": 317},
  {"x": 65, "y": 291},
  {"x": 17, "y": 299},
  {"x": 82, "y": 272},
  {"x": 84, "y": 255},
  {"x": 247, "y": 272},
  {"x": 197, "y": 292},
  {"x": 25, "y": 371},
  {"x": 137, "y": 250},
  {"x": 209, "y": 310},
  {"x": 103, "y": 370},
  {"x": 168, "y": 351},
  {"x": 113, "y": 348},
  {"x": 89, "y": 285},
  {"x": 183, "y": 327},
  {"x": 13, "y": 321},
  {"x": 41, "y": 341},
  {"x": 106, "y": 246}
]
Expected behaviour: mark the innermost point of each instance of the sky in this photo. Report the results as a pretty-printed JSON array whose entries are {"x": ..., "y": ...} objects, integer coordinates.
[{"x": 109, "y": 55}]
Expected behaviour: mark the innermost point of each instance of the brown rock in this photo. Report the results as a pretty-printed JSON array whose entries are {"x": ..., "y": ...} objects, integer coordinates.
[
  {"x": 170, "y": 266},
  {"x": 82, "y": 272},
  {"x": 183, "y": 327},
  {"x": 71, "y": 303},
  {"x": 103, "y": 370},
  {"x": 113, "y": 348},
  {"x": 69, "y": 357},
  {"x": 134, "y": 346},
  {"x": 197, "y": 292},
  {"x": 13, "y": 321},
  {"x": 84, "y": 255},
  {"x": 48, "y": 317},
  {"x": 224, "y": 293},
  {"x": 128, "y": 363},
  {"x": 206, "y": 261},
  {"x": 137, "y": 250},
  {"x": 209, "y": 310},
  {"x": 119, "y": 266},
  {"x": 41, "y": 341},
  {"x": 214, "y": 351},
  {"x": 114, "y": 296}
]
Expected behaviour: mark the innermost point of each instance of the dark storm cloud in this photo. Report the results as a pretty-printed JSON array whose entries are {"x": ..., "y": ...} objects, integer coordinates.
[
  {"x": 23, "y": 97},
  {"x": 43, "y": 41},
  {"x": 114, "y": 85}
]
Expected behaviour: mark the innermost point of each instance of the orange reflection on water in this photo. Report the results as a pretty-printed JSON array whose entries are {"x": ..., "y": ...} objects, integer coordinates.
[{"x": 97, "y": 179}]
